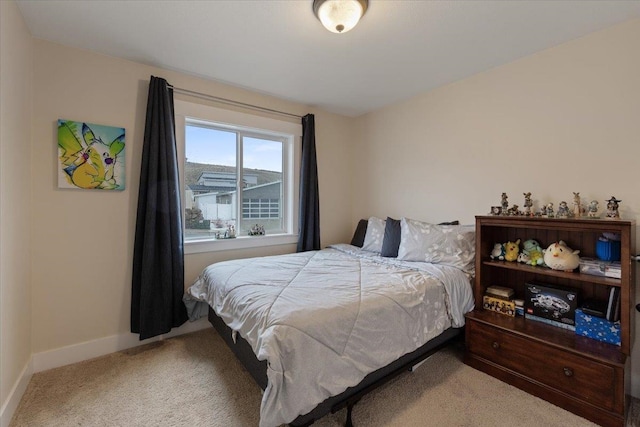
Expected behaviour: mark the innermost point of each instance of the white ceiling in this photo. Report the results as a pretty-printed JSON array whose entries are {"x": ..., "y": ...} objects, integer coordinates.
[{"x": 278, "y": 47}]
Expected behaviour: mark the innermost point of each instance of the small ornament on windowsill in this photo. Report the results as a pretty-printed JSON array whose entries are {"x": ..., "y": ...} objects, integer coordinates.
[
  {"x": 257, "y": 230},
  {"x": 230, "y": 233}
]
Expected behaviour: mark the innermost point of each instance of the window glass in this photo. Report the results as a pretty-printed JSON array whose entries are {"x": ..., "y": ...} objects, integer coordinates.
[
  {"x": 262, "y": 192},
  {"x": 216, "y": 206},
  {"x": 210, "y": 175}
]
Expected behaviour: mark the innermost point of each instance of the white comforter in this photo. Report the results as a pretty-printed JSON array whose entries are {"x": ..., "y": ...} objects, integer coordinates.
[{"x": 325, "y": 319}]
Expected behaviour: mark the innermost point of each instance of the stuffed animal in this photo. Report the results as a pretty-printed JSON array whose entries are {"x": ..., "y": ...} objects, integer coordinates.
[
  {"x": 497, "y": 252},
  {"x": 524, "y": 258},
  {"x": 559, "y": 256},
  {"x": 532, "y": 248},
  {"x": 511, "y": 250}
]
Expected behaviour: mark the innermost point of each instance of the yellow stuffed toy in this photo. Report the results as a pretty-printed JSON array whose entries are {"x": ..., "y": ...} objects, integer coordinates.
[{"x": 511, "y": 250}]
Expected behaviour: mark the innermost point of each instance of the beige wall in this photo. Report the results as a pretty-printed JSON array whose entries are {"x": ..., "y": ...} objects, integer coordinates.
[
  {"x": 563, "y": 120},
  {"x": 15, "y": 184},
  {"x": 83, "y": 239}
]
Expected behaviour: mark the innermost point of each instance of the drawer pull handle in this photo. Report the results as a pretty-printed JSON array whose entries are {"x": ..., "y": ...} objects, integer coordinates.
[
  {"x": 568, "y": 372},
  {"x": 495, "y": 345}
]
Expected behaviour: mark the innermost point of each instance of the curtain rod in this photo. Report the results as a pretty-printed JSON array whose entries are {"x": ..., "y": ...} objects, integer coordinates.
[{"x": 231, "y": 102}]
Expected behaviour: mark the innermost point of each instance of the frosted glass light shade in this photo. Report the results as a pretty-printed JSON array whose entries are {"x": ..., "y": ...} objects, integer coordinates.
[{"x": 339, "y": 16}]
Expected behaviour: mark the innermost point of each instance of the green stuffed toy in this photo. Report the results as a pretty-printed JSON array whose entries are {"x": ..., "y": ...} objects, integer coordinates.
[{"x": 536, "y": 254}]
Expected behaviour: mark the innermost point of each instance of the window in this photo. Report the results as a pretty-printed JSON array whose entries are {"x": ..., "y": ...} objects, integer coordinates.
[{"x": 237, "y": 178}]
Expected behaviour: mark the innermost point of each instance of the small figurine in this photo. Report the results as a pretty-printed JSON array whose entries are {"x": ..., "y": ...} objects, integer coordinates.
[
  {"x": 563, "y": 210},
  {"x": 577, "y": 207},
  {"x": 550, "y": 213},
  {"x": 257, "y": 230},
  {"x": 533, "y": 250},
  {"x": 558, "y": 256},
  {"x": 231, "y": 232},
  {"x": 593, "y": 209},
  {"x": 612, "y": 207},
  {"x": 527, "y": 204},
  {"x": 497, "y": 252},
  {"x": 523, "y": 258},
  {"x": 513, "y": 211},
  {"x": 504, "y": 204},
  {"x": 511, "y": 250}
]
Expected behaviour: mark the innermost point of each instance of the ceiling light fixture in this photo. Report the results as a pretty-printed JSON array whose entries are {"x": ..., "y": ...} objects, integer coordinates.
[{"x": 339, "y": 16}]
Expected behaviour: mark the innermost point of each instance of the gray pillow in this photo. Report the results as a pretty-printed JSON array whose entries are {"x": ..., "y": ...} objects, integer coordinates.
[
  {"x": 452, "y": 245},
  {"x": 358, "y": 235},
  {"x": 391, "y": 241},
  {"x": 374, "y": 235}
]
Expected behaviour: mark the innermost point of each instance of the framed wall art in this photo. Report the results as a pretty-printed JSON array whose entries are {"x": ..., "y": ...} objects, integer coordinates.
[{"x": 90, "y": 156}]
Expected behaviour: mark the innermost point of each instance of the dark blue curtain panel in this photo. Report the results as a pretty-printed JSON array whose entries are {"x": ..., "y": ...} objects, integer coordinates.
[
  {"x": 309, "y": 220},
  {"x": 158, "y": 256}
]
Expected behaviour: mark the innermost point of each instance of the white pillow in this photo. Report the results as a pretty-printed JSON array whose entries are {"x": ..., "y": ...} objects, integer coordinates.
[
  {"x": 452, "y": 245},
  {"x": 375, "y": 235}
]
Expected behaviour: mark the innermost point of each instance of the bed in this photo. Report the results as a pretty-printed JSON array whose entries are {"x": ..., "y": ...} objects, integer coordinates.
[{"x": 319, "y": 329}]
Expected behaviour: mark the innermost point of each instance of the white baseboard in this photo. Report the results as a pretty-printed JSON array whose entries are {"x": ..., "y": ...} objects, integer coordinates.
[
  {"x": 102, "y": 346},
  {"x": 11, "y": 404}
]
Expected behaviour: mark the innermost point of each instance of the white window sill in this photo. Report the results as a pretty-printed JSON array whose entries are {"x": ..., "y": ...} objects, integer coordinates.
[{"x": 242, "y": 242}]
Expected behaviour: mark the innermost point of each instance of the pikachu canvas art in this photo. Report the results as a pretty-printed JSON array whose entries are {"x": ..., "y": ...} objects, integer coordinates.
[{"x": 90, "y": 156}]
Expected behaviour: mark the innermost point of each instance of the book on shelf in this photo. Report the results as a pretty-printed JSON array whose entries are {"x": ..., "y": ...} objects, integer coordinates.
[
  {"x": 613, "y": 304},
  {"x": 500, "y": 292}
]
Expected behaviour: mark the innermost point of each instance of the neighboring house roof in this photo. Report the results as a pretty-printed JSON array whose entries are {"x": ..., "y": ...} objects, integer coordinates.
[
  {"x": 229, "y": 177},
  {"x": 197, "y": 188},
  {"x": 200, "y": 190},
  {"x": 261, "y": 186},
  {"x": 257, "y": 191}
]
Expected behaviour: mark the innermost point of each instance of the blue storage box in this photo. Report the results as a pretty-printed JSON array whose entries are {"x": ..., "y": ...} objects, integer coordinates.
[
  {"x": 597, "y": 328},
  {"x": 608, "y": 250}
]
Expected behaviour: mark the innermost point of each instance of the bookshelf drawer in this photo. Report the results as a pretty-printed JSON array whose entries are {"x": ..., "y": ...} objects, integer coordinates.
[{"x": 580, "y": 377}]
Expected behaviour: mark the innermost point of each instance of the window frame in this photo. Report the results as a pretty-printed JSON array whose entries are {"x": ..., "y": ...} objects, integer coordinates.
[{"x": 218, "y": 118}]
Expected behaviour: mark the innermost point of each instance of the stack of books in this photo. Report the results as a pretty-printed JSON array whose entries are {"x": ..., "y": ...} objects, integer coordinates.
[{"x": 498, "y": 299}]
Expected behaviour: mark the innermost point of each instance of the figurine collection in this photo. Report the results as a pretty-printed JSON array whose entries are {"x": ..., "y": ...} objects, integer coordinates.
[{"x": 576, "y": 210}]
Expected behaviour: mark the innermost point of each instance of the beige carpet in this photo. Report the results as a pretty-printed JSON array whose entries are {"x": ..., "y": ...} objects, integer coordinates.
[{"x": 194, "y": 380}]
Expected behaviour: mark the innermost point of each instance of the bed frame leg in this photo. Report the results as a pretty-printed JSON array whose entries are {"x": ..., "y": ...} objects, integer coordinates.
[{"x": 349, "y": 421}]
